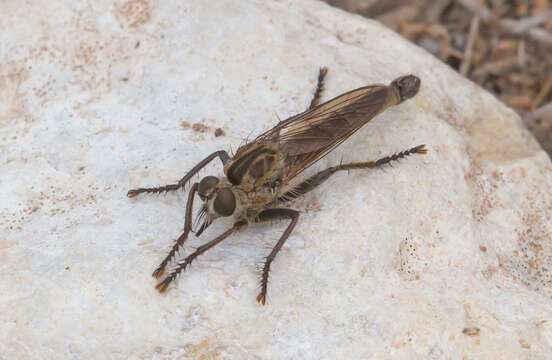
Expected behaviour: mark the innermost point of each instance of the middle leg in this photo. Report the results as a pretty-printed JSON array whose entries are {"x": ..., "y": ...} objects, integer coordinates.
[
  {"x": 271, "y": 214},
  {"x": 319, "y": 87}
]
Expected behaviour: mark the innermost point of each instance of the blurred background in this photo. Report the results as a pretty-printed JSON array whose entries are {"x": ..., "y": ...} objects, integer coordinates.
[{"x": 504, "y": 46}]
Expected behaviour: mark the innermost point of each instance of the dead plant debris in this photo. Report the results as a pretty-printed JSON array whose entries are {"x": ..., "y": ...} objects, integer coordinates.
[{"x": 503, "y": 45}]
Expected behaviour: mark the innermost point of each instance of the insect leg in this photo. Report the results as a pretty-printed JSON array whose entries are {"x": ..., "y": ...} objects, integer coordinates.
[
  {"x": 162, "y": 286},
  {"x": 187, "y": 227},
  {"x": 323, "y": 175},
  {"x": 223, "y": 155},
  {"x": 271, "y": 214},
  {"x": 319, "y": 87}
]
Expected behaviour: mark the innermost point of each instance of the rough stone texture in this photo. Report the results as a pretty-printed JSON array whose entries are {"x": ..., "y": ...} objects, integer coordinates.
[{"x": 446, "y": 256}]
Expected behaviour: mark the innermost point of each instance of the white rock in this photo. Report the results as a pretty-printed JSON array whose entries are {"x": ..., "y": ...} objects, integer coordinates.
[{"x": 438, "y": 257}]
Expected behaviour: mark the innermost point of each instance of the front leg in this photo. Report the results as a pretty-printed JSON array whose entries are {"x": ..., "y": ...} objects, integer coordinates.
[
  {"x": 162, "y": 286},
  {"x": 187, "y": 228},
  {"x": 221, "y": 154},
  {"x": 271, "y": 214}
]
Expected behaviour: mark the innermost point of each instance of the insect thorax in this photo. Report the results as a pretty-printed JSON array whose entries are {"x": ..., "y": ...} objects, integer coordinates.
[{"x": 254, "y": 167}]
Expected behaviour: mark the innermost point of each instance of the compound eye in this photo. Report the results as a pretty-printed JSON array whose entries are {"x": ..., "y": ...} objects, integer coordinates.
[
  {"x": 207, "y": 186},
  {"x": 225, "y": 202}
]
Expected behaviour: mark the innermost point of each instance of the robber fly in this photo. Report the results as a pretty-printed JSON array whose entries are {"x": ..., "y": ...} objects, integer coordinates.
[{"x": 258, "y": 176}]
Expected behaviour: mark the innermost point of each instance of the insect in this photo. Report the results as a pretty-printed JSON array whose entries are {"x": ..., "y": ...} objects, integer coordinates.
[{"x": 258, "y": 177}]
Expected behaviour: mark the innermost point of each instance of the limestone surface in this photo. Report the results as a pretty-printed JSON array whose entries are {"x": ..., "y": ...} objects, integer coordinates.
[{"x": 441, "y": 256}]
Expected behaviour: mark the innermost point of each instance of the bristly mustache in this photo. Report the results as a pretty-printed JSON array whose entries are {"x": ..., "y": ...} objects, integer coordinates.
[{"x": 205, "y": 218}]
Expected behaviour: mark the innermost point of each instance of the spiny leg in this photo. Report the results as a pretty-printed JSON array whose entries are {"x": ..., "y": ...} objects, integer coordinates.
[
  {"x": 319, "y": 87},
  {"x": 323, "y": 175},
  {"x": 223, "y": 155},
  {"x": 162, "y": 286},
  {"x": 271, "y": 214},
  {"x": 187, "y": 227}
]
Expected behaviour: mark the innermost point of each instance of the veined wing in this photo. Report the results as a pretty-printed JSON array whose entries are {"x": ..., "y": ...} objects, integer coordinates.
[
  {"x": 304, "y": 138},
  {"x": 307, "y": 137}
]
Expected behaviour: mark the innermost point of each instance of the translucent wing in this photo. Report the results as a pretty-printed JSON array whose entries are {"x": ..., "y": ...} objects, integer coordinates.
[
  {"x": 305, "y": 138},
  {"x": 297, "y": 142}
]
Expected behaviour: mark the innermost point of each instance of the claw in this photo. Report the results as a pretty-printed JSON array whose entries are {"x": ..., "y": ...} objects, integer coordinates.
[
  {"x": 261, "y": 298},
  {"x": 163, "y": 285},
  {"x": 158, "y": 272},
  {"x": 132, "y": 193}
]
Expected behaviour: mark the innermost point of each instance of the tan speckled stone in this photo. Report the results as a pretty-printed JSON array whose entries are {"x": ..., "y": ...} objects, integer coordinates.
[{"x": 386, "y": 264}]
